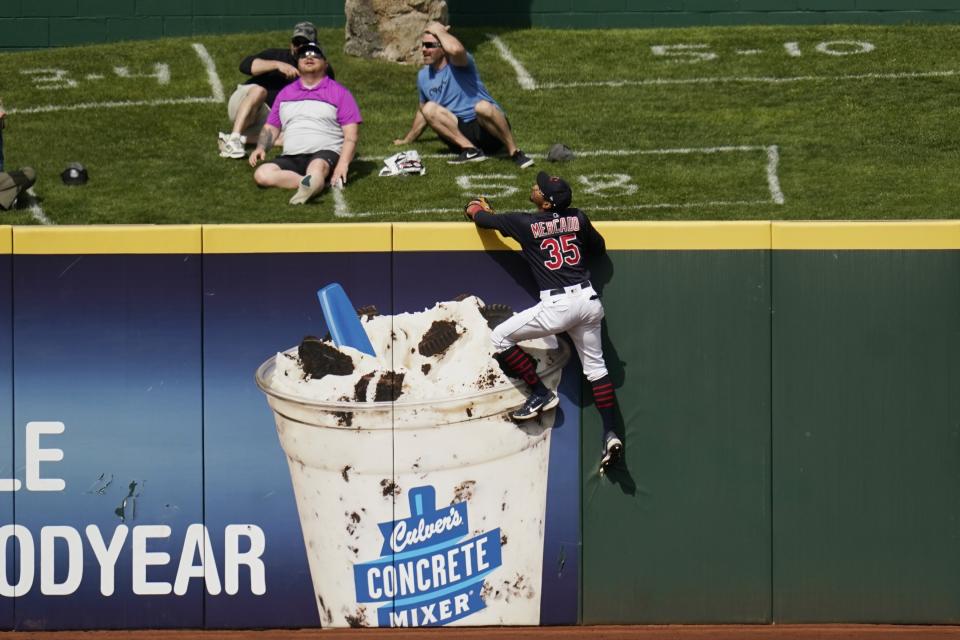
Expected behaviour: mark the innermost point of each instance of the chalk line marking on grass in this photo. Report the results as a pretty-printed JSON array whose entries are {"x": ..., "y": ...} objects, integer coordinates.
[
  {"x": 32, "y": 204},
  {"x": 212, "y": 76},
  {"x": 631, "y": 207},
  {"x": 340, "y": 208},
  {"x": 908, "y": 75},
  {"x": 161, "y": 72},
  {"x": 773, "y": 175},
  {"x": 616, "y": 152},
  {"x": 772, "y": 166},
  {"x": 527, "y": 82},
  {"x": 524, "y": 78},
  {"x": 112, "y": 105},
  {"x": 625, "y": 208},
  {"x": 216, "y": 88}
]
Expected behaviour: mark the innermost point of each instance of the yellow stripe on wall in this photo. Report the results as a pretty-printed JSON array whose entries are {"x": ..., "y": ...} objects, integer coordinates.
[
  {"x": 296, "y": 238},
  {"x": 6, "y": 239},
  {"x": 692, "y": 236},
  {"x": 925, "y": 235},
  {"x": 107, "y": 239},
  {"x": 448, "y": 236},
  {"x": 457, "y": 236}
]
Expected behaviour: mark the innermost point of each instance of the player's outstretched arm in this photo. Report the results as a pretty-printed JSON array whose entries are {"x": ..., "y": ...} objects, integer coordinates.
[{"x": 476, "y": 206}]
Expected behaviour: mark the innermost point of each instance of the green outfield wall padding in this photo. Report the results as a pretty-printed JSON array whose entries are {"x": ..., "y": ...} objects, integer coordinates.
[
  {"x": 67, "y": 22},
  {"x": 866, "y": 436},
  {"x": 681, "y": 533}
]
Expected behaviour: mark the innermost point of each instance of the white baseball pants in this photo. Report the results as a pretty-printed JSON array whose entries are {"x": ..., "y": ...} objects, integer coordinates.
[{"x": 577, "y": 311}]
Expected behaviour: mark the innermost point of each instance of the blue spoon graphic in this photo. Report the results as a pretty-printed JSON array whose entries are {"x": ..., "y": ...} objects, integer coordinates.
[{"x": 342, "y": 320}]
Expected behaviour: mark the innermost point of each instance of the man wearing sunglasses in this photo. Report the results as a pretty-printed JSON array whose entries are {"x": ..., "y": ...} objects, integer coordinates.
[
  {"x": 456, "y": 105},
  {"x": 320, "y": 123},
  {"x": 270, "y": 71}
]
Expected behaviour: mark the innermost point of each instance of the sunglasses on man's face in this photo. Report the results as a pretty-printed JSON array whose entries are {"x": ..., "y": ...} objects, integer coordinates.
[
  {"x": 430, "y": 45},
  {"x": 299, "y": 42},
  {"x": 309, "y": 53}
]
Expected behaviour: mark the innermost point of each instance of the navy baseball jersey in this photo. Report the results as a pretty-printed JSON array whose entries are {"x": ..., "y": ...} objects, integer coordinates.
[{"x": 556, "y": 244}]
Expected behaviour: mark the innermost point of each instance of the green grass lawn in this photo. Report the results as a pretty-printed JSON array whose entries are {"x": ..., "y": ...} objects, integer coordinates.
[{"x": 800, "y": 122}]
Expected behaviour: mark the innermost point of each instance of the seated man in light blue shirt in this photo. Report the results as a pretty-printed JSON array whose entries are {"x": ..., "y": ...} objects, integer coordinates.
[{"x": 455, "y": 104}]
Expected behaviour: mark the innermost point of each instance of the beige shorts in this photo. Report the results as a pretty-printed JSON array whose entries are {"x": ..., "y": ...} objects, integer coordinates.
[{"x": 259, "y": 118}]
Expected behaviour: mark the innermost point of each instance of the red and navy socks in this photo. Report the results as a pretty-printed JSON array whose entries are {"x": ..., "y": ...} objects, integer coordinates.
[
  {"x": 605, "y": 399},
  {"x": 517, "y": 363}
]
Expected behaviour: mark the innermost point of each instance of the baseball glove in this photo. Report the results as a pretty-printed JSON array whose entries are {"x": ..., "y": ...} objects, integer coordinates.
[{"x": 475, "y": 206}]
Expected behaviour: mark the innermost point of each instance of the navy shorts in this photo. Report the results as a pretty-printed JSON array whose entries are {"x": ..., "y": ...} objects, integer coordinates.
[
  {"x": 299, "y": 163},
  {"x": 478, "y": 137}
]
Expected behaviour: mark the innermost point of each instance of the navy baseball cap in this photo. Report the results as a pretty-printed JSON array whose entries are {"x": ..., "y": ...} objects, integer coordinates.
[
  {"x": 555, "y": 190},
  {"x": 310, "y": 46}
]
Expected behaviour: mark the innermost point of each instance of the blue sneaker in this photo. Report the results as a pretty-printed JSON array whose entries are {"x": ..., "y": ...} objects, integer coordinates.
[{"x": 536, "y": 404}]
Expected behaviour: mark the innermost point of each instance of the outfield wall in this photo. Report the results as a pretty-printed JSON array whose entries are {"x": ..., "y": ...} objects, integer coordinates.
[
  {"x": 55, "y": 23},
  {"x": 788, "y": 393}
]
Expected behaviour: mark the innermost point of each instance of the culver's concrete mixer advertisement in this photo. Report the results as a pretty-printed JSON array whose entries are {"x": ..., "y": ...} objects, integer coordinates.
[{"x": 271, "y": 438}]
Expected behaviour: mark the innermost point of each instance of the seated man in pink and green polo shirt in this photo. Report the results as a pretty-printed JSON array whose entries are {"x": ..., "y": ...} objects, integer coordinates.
[{"x": 320, "y": 122}]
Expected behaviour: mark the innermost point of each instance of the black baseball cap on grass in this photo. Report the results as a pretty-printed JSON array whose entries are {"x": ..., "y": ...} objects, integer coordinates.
[
  {"x": 75, "y": 174},
  {"x": 555, "y": 189}
]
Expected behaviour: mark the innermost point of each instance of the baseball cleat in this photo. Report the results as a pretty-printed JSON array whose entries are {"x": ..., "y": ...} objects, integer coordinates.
[
  {"x": 612, "y": 452},
  {"x": 535, "y": 405}
]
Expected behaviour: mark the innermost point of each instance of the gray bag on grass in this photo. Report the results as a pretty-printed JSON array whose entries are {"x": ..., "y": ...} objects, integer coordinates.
[{"x": 559, "y": 153}]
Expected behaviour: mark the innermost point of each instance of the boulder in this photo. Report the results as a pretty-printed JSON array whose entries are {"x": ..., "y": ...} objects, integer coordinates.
[{"x": 390, "y": 29}]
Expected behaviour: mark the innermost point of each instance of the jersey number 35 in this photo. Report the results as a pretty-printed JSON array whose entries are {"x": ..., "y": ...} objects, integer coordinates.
[{"x": 561, "y": 251}]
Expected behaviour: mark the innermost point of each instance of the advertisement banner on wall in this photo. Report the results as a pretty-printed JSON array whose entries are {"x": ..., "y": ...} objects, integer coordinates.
[
  {"x": 391, "y": 487},
  {"x": 260, "y": 298},
  {"x": 181, "y": 458},
  {"x": 107, "y": 443}
]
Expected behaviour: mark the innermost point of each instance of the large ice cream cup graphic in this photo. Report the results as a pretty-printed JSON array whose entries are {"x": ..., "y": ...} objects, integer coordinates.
[{"x": 420, "y": 512}]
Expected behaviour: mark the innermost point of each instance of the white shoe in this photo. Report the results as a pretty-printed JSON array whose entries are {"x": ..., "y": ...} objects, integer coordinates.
[
  {"x": 231, "y": 145},
  {"x": 306, "y": 190},
  {"x": 612, "y": 452}
]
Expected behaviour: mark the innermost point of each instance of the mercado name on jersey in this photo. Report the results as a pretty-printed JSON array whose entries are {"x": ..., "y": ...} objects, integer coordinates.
[{"x": 565, "y": 224}]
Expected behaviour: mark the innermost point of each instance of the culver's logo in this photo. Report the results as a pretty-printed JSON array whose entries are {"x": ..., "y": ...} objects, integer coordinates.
[
  {"x": 405, "y": 534},
  {"x": 429, "y": 572}
]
